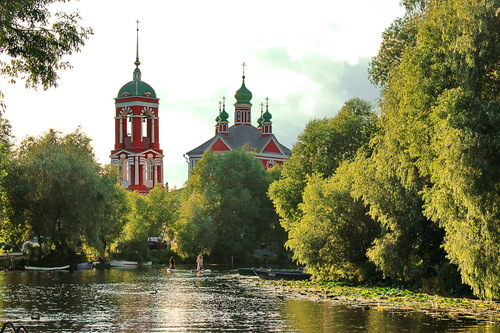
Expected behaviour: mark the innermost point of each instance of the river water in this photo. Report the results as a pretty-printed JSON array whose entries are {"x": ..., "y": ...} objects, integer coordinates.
[{"x": 154, "y": 300}]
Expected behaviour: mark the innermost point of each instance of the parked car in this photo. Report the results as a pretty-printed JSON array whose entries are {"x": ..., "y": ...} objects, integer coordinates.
[{"x": 157, "y": 242}]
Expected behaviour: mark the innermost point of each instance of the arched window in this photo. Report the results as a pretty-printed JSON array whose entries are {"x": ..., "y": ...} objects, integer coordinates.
[
  {"x": 149, "y": 169},
  {"x": 124, "y": 169}
]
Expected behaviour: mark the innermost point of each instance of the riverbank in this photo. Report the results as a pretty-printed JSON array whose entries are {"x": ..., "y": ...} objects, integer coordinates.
[{"x": 383, "y": 298}]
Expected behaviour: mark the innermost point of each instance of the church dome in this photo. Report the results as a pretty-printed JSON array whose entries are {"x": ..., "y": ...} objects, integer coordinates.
[
  {"x": 224, "y": 115},
  {"x": 243, "y": 95},
  {"x": 136, "y": 88},
  {"x": 266, "y": 117}
]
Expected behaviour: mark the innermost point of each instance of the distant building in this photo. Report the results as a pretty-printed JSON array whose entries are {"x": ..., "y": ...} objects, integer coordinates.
[
  {"x": 259, "y": 139},
  {"x": 137, "y": 150}
]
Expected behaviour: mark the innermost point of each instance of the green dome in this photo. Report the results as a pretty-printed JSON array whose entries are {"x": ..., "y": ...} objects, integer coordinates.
[
  {"x": 243, "y": 95},
  {"x": 266, "y": 117},
  {"x": 224, "y": 115},
  {"x": 136, "y": 88}
]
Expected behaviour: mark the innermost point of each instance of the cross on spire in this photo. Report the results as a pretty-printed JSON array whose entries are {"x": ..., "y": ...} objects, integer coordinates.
[{"x": 243, "y": 64}]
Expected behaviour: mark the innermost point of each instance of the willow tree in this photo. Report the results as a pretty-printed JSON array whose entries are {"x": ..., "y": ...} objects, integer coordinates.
[
  {"x": 56, "y": 190},
  {"x": 316, "y": 211},
  {"x": 440, "y": 107},
  {"x": 321, "y": 148}
]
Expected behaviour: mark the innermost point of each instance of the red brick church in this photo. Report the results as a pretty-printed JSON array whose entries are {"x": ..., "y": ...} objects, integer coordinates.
[
  {"x": 259, "y": 139},
  {"x": 137, "y": 150}
]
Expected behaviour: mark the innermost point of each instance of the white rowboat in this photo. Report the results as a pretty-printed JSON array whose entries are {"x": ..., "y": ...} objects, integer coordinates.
[{"x": 35, "y": 268}]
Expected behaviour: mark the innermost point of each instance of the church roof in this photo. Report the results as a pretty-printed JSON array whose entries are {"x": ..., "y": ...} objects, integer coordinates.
[
  {"x": 243, "y": 95},
  {"x": 239, "y": 136},
  {"x": 136, "y": 88}
]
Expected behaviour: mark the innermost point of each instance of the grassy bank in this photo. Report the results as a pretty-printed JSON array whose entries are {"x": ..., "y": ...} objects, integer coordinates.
[{"x": 384, "y": 298}]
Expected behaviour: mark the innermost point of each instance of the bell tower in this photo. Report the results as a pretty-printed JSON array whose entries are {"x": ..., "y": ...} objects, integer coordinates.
[{"x": 137, "y": 150}]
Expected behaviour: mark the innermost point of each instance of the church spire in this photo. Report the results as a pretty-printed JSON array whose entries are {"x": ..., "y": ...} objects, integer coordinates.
[
  {"x": 267, "y": 124},
  {"x": 243, "y": 95},
  {"x": 137, "y": 71}
]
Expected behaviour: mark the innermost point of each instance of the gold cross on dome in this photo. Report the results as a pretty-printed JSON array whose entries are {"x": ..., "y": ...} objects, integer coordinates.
[{"x": 243, "y": 64}]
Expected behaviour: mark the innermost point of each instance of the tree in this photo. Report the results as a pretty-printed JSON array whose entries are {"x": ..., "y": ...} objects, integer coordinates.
[
  {"x": 35, "y": 43},
  {"x": 5, "y": 151},
  {"x": 321, "y": 148},
  {"x": 226, "y": 196},
  {"x": 335, "y": 232},
  {"x": 408, "y": 245},
  {"x": 440, "y": 122},
  {"x": 150, "y": 215},
  {"x": 57, "y": 191}
]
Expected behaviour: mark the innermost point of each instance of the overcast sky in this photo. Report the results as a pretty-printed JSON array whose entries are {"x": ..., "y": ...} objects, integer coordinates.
[{"x": 307, "y": 57}]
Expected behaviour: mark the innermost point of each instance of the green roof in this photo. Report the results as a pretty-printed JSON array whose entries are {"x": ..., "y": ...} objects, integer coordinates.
[
  {"x": 266, "y": 117},
  {"x": 136, "y": 88},
  {"x": 243, "y": 95}
]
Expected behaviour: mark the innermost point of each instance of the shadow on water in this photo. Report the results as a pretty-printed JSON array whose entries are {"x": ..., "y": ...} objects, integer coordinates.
[{"x": 154, "y": 300}]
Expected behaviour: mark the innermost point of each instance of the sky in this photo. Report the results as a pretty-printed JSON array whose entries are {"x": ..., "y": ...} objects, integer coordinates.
[{"x": 307, "y": 57}]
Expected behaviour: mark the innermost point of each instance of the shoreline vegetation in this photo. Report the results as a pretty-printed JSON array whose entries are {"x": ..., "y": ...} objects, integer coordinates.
[{"x": 390, "y": 299}]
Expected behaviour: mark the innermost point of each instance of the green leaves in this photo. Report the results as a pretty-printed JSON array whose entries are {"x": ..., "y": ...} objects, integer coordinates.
[
  {"x": 328, "y": 229},
  {"x": 56, "y": 189},
  {"x": 35, "y": 44},
  {"x": 224, "y": 209},
  {"x": 439, "y": 140}
]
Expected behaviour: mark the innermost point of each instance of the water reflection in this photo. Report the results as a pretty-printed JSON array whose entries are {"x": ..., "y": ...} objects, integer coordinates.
[{"x": 155, "y": 300}]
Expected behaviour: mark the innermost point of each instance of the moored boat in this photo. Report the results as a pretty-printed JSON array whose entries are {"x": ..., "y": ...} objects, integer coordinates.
[
  {"x": 281, "y": 274},
  {"x": 37, "y": 268},
  {"x": 250, "y": 271},
  {"x": 124, "y": 263},
  {"x": 246, "y": 271},
  {"x": 102, "y": 265},
  {"x": 85, "y": 265}
]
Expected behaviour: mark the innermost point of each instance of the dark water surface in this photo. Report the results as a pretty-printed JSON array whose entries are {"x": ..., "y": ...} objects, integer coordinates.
[{"x": 154, "y": 300}]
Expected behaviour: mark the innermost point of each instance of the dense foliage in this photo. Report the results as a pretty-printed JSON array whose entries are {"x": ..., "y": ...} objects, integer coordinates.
[
  {"x": 34, "y": 43},
  {"x": 224, "y": 209},
  {"x": 328, "y": 229},
  {"x": 429, "y": 177},
  {"x": 56, "y": 190},
  {"x": 441, "y": 109}
]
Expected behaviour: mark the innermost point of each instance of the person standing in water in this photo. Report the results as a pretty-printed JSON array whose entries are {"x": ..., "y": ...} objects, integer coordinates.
[
  {"x": 199, "y": 263},
  {"x": 172, "y": 263}
]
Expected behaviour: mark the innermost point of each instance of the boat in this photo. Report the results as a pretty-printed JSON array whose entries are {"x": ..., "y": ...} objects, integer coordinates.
[
  {"x": 124, "y": 263},
  {"x": 269, "y": 274},
  {"x": 102, "y": 265},
  {"x": 246, "y": 271},
  {"x": 201, "y": 271},
  {"x": 85, "y": 265},
  {"x": 37, "y": 268},
  {"x": 250, "y": 271}
]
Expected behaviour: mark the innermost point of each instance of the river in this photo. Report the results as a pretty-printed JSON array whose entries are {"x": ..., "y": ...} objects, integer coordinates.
[{"x": 154, "y": 300}]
